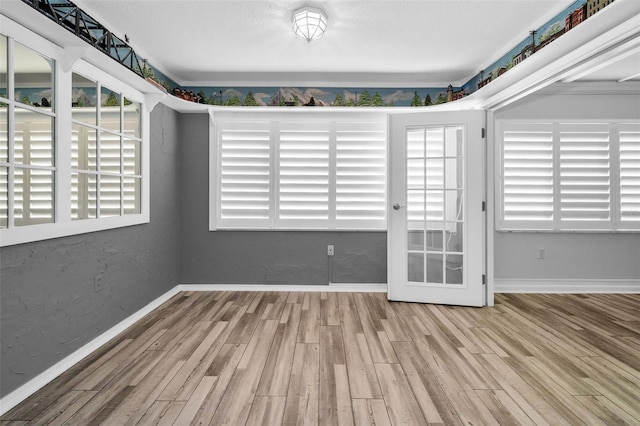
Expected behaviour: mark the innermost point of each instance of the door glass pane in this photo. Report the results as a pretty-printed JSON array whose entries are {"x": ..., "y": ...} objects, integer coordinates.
[
  {"x": 33, "y": 75},
  {"x": 434, "y": 240},
  {"x": 453, "y": 175},
  {"x": 434, "y": 268},
  {"x": 416, "y": 267},
  {"x": 453, "y": 141},
  {"x": 453, "y": 236},
  {"x": 83, "y": 99},
  {"x": 454, "y": 269},
  {"x": 415, "y": 143},
  {"x": 415, "y": 240}
]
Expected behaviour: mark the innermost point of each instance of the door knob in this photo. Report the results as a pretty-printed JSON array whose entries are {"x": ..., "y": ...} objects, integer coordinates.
[{"x": 397, "y": 206}]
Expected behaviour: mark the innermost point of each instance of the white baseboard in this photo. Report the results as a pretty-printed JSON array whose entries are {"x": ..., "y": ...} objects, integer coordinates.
[
  {"x": 334, "y": 287},
  {"x": 505, "y": 285},
  {"x": 29, "y": 388}
]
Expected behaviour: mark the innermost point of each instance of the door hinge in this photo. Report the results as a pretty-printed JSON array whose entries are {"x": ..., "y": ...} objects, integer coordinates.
[
  {"x": 484, "y": 206},
  {"x": 484, "y": 279},
  {"x": 484, "y": 133}
]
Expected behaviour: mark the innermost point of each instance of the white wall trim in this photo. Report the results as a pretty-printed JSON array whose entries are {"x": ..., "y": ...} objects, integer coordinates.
[
  {"x": 505, "y": 285},
  {"x": 23, "y": 392},
  {"x": 332, "y": 288}
]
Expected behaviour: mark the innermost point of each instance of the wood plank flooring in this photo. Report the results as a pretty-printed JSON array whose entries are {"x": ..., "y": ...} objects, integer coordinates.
[{"x": 272, "y": 358}]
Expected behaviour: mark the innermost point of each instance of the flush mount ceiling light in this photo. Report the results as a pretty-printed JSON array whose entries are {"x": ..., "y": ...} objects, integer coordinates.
[{"x": 309, "y": 23}]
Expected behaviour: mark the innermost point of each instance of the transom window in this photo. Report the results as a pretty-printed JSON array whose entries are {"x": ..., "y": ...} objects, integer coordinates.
[
  {"x": 301, "y": 171},
  {"x": 569, "y": 175}
]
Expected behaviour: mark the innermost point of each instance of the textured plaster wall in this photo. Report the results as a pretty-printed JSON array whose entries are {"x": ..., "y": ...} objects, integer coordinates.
[
  {"x": 57, "y": 295},
  {"x": 262, "y": 257},
  {"x": 570, "y": 255}
]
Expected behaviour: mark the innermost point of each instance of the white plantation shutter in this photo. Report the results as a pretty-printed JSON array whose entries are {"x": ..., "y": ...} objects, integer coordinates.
[
  {"x": 302, "y": 171},
  {"x": 110, "y": 198},
  {"x": 33, "y": 187},
  {"x": 585, "y": 169},
  {"x": 629, "y": 136},
  {"x": 527, "y": 175},
  {"x": 303, "y": 175},
  {"x": 361, "y": 175},
  {"x": 245, "y": 174},
  {"x": 570, "y": 176}
]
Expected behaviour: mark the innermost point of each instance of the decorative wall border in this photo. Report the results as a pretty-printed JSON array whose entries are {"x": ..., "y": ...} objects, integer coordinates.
[{"x": 75, "y": 20}]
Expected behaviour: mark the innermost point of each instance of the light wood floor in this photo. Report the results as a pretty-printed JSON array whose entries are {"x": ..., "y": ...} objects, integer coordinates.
[{"x": 354, "y": 358}]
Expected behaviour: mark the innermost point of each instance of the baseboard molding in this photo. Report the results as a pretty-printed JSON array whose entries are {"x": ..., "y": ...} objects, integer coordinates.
[
  {"x": 23, "y": 392},
  {"x": 503, "y": 285},
  {"x": 334, "y": 287}
]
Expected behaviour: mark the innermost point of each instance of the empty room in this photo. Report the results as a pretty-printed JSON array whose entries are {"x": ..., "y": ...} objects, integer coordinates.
[{"x": 334, "y": 212}]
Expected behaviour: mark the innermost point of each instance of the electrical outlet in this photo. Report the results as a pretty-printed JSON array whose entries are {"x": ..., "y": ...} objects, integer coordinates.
[
  {"x": 541, "y": 253},
  {"x": 330, "y": 250}
]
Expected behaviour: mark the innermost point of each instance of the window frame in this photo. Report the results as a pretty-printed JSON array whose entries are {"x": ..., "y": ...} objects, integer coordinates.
[
  {"x": 330, "y": 118},
  {"x": 65, "y": 64},
  {"x": 614, "y": 224}
]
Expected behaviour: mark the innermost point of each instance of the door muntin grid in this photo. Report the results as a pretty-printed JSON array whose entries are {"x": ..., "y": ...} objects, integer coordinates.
[{"x": 435, "y": 205}]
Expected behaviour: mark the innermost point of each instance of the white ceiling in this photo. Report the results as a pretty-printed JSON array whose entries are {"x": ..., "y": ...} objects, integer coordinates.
[{"x": 368, "y": 43}]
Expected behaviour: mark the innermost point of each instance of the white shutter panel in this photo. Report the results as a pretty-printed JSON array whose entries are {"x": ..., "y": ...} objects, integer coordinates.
[
  {"x": 244, "y": 175},
  {"x": 361, "y": 175},
  {"x": 585, "y": 183},
  {"x": 629, "y": 135},
  {"x": 33, "y": 188},
  {"x": 110, "y": 185},
  {"x": 527, "y": 175},
  {"x": 303, "y": 175}
]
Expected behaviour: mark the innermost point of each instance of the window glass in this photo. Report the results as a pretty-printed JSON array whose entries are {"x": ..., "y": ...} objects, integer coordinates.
[
  {"x": 109, "y": 152},
  {"x": 83, "y": 99},
  {"x": 131, "y": 118},
  {"x": 83, "y": 196},
  {"x": 33, "y": 138},
  {"x": 33, "y": 74},
  {"x": 131, "y": 157},
  {"x": 83, "y": 148},
  {"x": 109, "y": 109},
  {"x": 4, "y": 135},
  {"x": 3, "y": 66},
  {"x": 4, "y": 196},
  {"x": 33, "y": 196},
  {"x": 109, "y": 196}
]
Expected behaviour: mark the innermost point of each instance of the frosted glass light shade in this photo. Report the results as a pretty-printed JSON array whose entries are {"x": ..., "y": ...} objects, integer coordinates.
[{"x": 309, "y": 23}]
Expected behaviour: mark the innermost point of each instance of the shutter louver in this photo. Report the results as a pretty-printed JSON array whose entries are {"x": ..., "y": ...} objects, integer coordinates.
[
  {"x": 110, "y": 194},
  {"x": 528, "y": 173},
  {"x": 303, "y": 175},
  {"x": 245, "y": 174},
  {"x": 584, "y": 172},
  {"x": 361, "y": 165},
  {"x": 629, "y": 172}
]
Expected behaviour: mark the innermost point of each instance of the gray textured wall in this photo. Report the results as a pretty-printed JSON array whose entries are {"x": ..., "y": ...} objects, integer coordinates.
[
  {"x": 570, "y": 255},
  {"x": 59, "y": 294},
  {"x": 262, "y": 257}
]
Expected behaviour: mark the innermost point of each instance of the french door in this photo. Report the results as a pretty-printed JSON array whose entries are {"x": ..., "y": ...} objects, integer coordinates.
[{"x": 436, "y": 227}]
